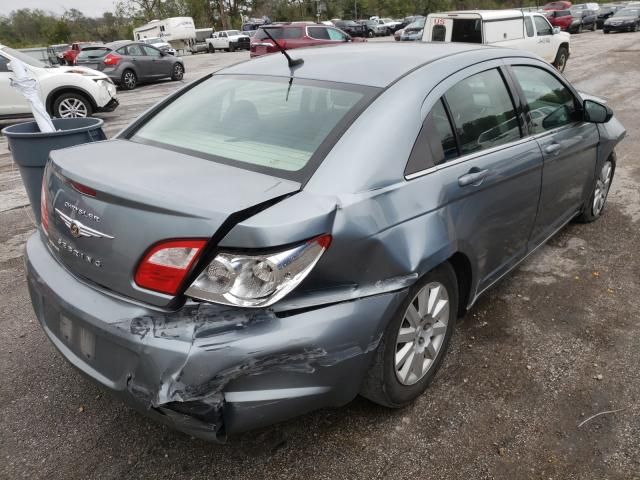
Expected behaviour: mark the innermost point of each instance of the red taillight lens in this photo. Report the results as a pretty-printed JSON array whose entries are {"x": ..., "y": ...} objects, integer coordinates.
[
  {"x": 78, "y": 187},
  {"x": 165, "y": 265},
  {"x": 44, "y": 208},
  {"x": 112, "y": 59}
]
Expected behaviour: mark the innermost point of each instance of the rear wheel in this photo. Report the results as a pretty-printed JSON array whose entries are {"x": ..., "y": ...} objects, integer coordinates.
[
  {"x": 594, "y": 207},
  {"x": 594, "y": 27},
  {"x": 129, "y": 80},
  {"x": 561, "y": 59},
  {"x": 72, "y": 105},
  {"x": 370, "y": 34},
  {"x": 415, "y": 341},
  {"x": 211, "y": 49}
]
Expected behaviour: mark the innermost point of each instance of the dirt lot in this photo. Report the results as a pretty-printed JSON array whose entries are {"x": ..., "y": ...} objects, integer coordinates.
[{"x": 553, "y": 344}]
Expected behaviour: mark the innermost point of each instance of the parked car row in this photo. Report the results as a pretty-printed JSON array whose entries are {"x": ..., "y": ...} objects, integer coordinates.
[{"x": 591, "y": 16}]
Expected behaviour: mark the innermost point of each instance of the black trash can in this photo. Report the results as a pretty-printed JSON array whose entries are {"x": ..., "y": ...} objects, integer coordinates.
[{"x": 30, "y": 148}]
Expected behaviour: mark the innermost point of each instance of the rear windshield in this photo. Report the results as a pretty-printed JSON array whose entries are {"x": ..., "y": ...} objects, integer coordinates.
[
  {"x": 91, "y": 53},
  {"x": 259, "y": 123},
  {"x": 280, "y": 33}
]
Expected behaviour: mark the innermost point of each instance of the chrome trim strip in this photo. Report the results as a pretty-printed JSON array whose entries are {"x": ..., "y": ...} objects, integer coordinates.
[{"x": 467, "y": 157}]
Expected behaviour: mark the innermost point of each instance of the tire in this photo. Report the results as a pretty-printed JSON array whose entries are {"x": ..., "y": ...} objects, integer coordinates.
[
  {"x": 177, "y": 72},
  {"x": 384, "y": 383},
  {"x": 594, "y": 27},
  {"x": 129, "y": 80},
  {"x": 211, "y": 49},
  {"x": 370, "y": 34},
  {"x": 72, "y": 105},
  {"x": 635, "y": 27},
  {"x": 606, "y": 32},
  {"x": 561, "y": 59},
  {"x": 594, "y": 207},
  {"x": 580, "y": 28}
]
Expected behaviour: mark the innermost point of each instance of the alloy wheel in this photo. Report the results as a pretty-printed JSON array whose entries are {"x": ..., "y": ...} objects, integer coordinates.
[
  {"x": 72, "y": 108},
  {"x": 422, "y": 333},
  {"x": 129, "y": 80},
  {"x": 602, "y": 188},
  {"x": 178, "y": 72}
]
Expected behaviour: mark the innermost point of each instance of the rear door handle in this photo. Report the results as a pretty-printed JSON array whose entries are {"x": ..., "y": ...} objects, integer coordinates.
[
  {"x": 474, "y": 178},
  {"x": 552, "y": 148}
]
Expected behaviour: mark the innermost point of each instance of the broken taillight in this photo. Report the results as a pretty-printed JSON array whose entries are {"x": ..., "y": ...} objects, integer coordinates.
[
  {"x": 44, "y": 208},
  {"x": 257, "y": 279},
  {"x": 165, "y": 266}
]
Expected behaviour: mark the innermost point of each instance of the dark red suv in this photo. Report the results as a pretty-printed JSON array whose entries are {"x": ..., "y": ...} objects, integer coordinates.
[
  {"x": 560, "y": 18},
  {"x": 296, "y": 35}
]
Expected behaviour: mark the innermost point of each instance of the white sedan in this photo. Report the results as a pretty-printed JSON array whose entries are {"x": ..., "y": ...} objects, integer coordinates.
[{"x": 67, "y": 92}]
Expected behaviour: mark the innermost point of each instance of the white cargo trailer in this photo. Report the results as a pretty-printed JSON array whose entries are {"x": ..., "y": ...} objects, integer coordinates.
[{"x": 180, "y": 32}]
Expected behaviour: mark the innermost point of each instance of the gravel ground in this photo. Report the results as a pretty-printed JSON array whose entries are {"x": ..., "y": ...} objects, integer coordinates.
[{"x": 551, "y": 345}]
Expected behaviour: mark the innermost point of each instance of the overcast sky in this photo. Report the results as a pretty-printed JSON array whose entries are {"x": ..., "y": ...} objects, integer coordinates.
[{"x": 91, "y": 8}]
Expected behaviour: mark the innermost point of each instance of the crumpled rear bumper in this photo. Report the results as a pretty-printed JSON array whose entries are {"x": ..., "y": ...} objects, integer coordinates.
[{"x": 208, "y": 370}]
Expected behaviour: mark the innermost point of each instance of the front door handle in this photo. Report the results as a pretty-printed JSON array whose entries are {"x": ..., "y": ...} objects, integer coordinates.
[
  {"x": 552, "y": 148},
  {"x": 474, "y": 178}
]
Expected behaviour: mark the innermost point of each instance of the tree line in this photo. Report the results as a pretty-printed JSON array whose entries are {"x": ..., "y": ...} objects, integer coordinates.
[{"x": 35, "y": 27}]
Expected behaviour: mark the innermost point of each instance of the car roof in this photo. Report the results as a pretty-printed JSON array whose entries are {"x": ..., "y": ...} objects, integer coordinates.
[
  {"x": 118, "y": 43},
  {"x": 484, "y": 14},
  {"x": 359, "y": 63}
]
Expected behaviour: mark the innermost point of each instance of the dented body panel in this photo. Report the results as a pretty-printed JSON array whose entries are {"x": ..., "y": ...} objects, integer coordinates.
[
  {"x": 236, "y": 368},
  {"x": 210, "y": 370}
]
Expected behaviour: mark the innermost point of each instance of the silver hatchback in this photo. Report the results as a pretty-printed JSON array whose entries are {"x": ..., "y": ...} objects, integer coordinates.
[{"x": 272, "y": 240}]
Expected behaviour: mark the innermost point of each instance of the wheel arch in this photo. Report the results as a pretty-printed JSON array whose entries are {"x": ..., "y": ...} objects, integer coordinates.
[{"x": 55, "y": 93}]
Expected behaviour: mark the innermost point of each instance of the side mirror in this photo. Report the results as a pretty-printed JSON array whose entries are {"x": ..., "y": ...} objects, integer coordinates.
[
  {"x": 556, "y": 30},
  {"x": 595, "y": 112}
]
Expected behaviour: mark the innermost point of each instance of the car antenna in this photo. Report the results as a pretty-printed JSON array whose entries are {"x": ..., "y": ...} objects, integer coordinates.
[{"x": 292, "y": 62}]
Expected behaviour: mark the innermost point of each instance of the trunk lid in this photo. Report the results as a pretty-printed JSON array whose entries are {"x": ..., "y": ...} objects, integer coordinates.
[{"x": 143, "y": 195}]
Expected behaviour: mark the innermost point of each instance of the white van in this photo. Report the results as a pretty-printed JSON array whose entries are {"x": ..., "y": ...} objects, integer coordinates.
[{"x": 507, "y": 28}]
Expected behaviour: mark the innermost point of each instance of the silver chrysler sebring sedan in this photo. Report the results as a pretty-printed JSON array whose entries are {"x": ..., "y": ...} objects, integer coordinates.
[{"x": 271, "y": 239}]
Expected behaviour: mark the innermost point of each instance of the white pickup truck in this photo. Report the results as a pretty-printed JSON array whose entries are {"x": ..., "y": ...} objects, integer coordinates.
[
  {"x": 506, "y": 28},
  {"x": 228, "y": 40}
]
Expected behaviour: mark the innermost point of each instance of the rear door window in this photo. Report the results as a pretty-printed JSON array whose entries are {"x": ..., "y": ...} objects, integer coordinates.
[
  {"x": 135, "y": 51},
  {"x": 319, "y": 33},
  {"x": 551, "y": 104},
  {"x": 483, "y": 112},
  {"x": 336, "y": 35},
  {"x": 151, "y": 51},
  {"x": 436, "y": 142}
]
